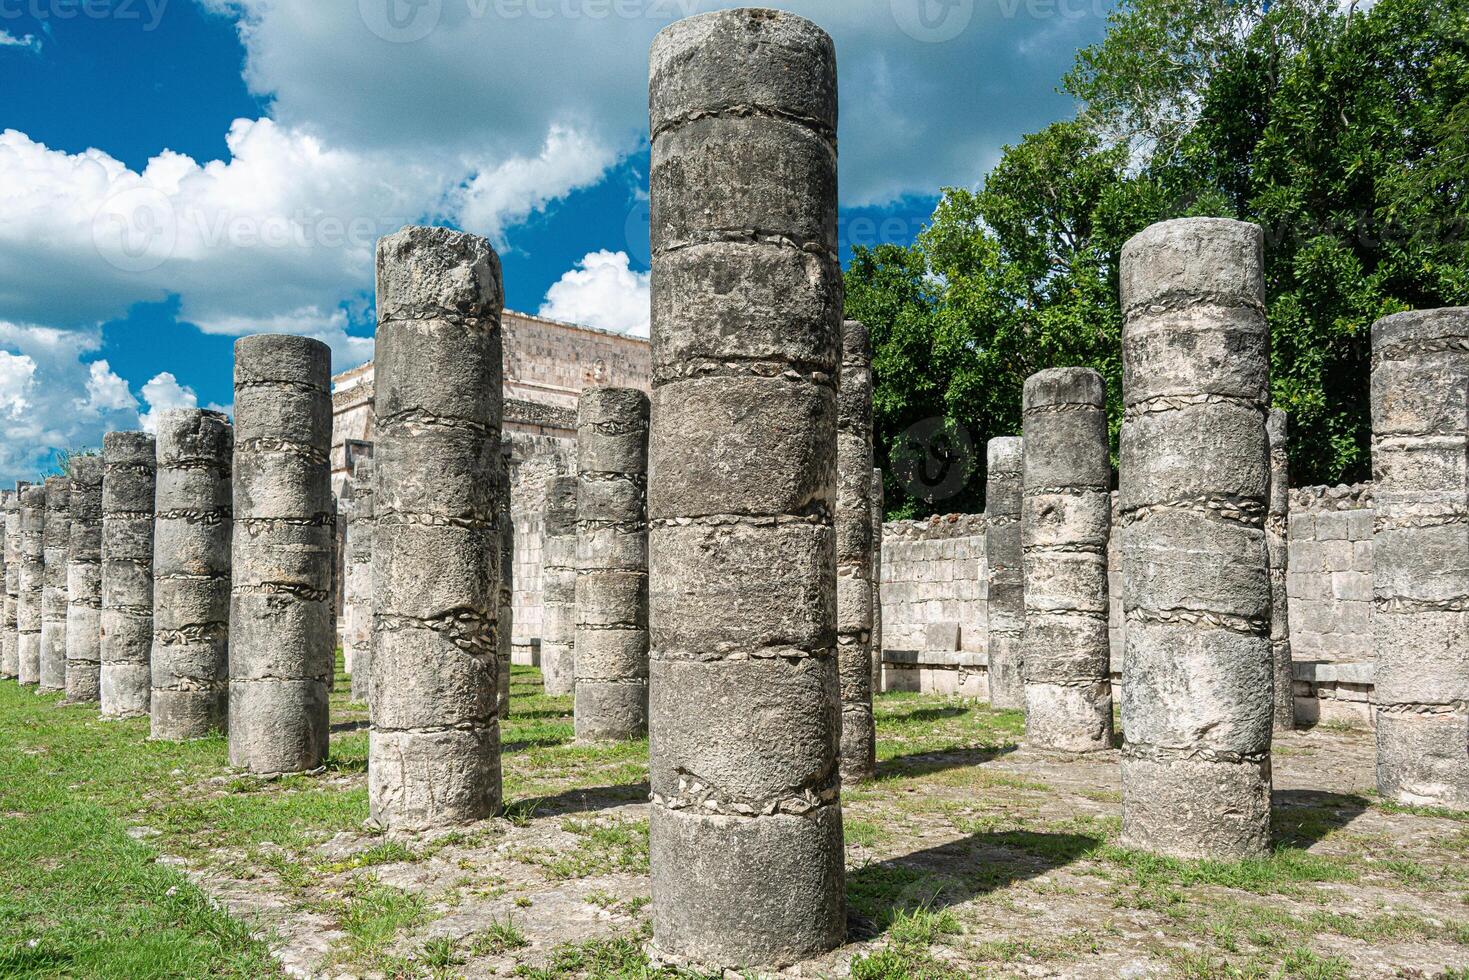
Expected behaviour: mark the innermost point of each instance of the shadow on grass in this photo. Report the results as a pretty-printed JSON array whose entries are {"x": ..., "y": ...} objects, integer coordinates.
[
  {"x": 539, "y": 742},
  {"x": 926, "y": 763},
  {"x": 880, "y": 893},
  {"x": 926, "y": 714},
  {"x": 579, "y": 800},
  {"x": 1302, "y": 817},
  {"x": 346, "y": 727},
  {"x": 517, "y": 714}
]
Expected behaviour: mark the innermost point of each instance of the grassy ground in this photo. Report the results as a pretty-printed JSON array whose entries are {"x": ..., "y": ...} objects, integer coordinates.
[{"x": 967, "y": 857}]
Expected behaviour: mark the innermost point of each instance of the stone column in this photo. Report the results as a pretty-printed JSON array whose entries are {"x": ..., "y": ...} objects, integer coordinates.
[
  {"x": 282, "y": 627},
  {"x": 10, "y": 639},
  {"x": 435, "y": 746},
  {"x": 746, "y": 845},
  {"x": 31, "y": 584},
  {"x": 612, "y": 564},
  {"x": 84, "y": 583},
  {"x": 1277, "y": 545},
  {"x": 129, "y": 472},
  {"x": 1066, "y": 518},
  {"x": 853, "y": 522},
  {"x": 55, "y": 544},
  {"x": 877, "y": 520},
  {"x": 357, "y": 575},
  {"x": 505, "y": 601},
  {"x": 558, "y": 588},
  {"x": 1002, "y": 549},
  {"x": 1196, "y": 589},
  {"x": 191, "y": 575},
  {"x": 1420, "y": 469}
]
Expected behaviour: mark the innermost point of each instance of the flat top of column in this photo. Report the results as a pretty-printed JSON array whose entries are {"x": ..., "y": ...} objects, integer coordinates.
[
  {"x": 1422, "y": 325},
  {"x": 33, "y": 498},
  {"x": 1004, "y": 453},
  {"x": 747, "y": 61},
  {"x": 856, "y": 344},
  {"x": 602, "y": 405},
  {"x": 425, "y": 272},
  {"x": 1214, "y": 260},
  {"x": 126, "y": 447},
  {"x": 1065, "y": 386},
  {"x": 86, "y": 473},
  {"x": 194, "y": 434},
  {"x": 284, "y": 358}
]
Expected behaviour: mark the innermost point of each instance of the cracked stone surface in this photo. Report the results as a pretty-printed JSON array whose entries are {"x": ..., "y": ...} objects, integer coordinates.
[
  {"x": 84, "y": 582},
  {"x": 129, "y": 481}
]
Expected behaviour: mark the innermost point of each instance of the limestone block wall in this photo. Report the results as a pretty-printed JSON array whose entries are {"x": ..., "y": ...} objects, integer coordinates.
[
  {"x": 934, "y": 593},
  {"x": 1330, "y": 577},
  {"x": 534, "y": 460}
]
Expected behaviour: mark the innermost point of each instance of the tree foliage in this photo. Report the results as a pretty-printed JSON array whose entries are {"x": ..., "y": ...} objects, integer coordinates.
[{"x": 1344, "y": 134}]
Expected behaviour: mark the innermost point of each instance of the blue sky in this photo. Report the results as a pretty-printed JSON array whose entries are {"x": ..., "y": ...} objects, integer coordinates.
[{"x": 178, "y": 173}]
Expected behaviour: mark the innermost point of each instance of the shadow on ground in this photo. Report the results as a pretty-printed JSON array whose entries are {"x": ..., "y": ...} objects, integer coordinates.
[
  {"x": 925, "y": 763},
  {"x": 1301, "y": 817}
]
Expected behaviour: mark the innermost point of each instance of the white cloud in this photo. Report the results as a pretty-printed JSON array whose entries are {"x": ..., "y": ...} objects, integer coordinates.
[
  {"x": 510, "y": 192},
  {"x": 106, "y": 391},
  {"x": 17, "y": 374},
  {"x": 162, "y": 393},
  {"x": 28, "y": 41},
  {"x": 601, "y": 291}
]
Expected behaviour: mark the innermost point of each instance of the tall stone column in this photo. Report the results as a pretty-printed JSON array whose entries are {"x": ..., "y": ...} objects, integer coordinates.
[
  {"x": 31, "y": 584},
  {"x": 1002, "y": 549},
  {"x": 84, "y": 583},
  {"x": 1193, "y": 495},
  {"x": 746, "y": 845},
  {"x": 55, "y": 544},
  {"x": 1277, "y": 546},
  {"x": 10, "y": 639},
  {"x": 1420, "y": 491},
  {"x": 191, "y": 575},
  {"x": 878, "y": 508},
  {"x": 1066, "y": 518},
  {"x": 505, "y": 601},
  {"x": 558, "y": 588},
  {"x": 357, "y": 597},
  {"x": 435, "y": 744},
  {"x": 853, "y": 523},
  {"x": 282, "y": 624},
  {"x": 129, "y": 478},
  {"x": 612, "y": 564}
]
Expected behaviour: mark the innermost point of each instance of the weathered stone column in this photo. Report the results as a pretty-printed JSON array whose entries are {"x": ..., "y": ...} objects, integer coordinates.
[
  {"x": 1066, "y": 518},
  {"x": 1277, "y": 546},
  {"x": 1196, "y": 589},
  {"x": 746, "y": 846},
  {"x": 357, "y": 596},
  {"x": 55, "y": 543},
  {"x": 191, "y": 575},
  {"x": 558, "y": 588},
  {"x": 435, "y": 744},
  {"x": 612, "y": 564},
  {"x": 1002, "y": 549},
  {"x": 84, "y": 583},
  {"x": 505, "y": 601},
  {"x": 282, "y": 627},
  {"x": 1420, "y": 470},
  {"x": 877, "y": 520},
  {"x": 10, "y": 639},
  {"x": 31, "y": 584},
  {"x": 853, "y": 522},
  {"x": 129, "y": 472}
]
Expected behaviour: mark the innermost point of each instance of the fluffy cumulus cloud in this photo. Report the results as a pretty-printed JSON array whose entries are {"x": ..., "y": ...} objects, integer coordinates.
[
  {"x": 603, "y": 292},
  {"x": 162, "y": 393},
  {"x": 106, "y": 391}
]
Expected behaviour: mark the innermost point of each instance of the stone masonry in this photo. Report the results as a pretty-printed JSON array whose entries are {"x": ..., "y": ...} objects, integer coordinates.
[
  {"x": 1420, "y": 464},
  {"x": 1194, "y": 484},
  {"x": 1277, "y": 548},
  {"x": 934, "y": 600},
  {"x": 854, "y": 554},
  {"x": 1066, "y": 518},
  {"x": 55, "y": 544},
  {"x": 10, "y": 640},
  {"x": 876, "y": 573},
  {"x": 746, "y": 843},
  {"x": 282, "y": 629},
  {"x": 505, "y": 596},
  {"x": 1002, "y": 503},
  {"x": 434, "y": 757},
  {"x": 84, "y": 583},
  {"x": 191, "y": 575},
  {"x": 357, "y": 599},
  {"x": 558, "y": 587},
  {"x": 32, "y": 584},
  {"x": 129, "y": 472},
  {"x": 612, "y": 564}
]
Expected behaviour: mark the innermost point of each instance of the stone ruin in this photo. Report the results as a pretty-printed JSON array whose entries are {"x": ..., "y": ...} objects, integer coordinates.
[{"x": 716, "y": 573}]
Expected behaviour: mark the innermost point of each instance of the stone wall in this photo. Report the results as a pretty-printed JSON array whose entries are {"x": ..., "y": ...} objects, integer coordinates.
[{"x": 1330, "y": 577}]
